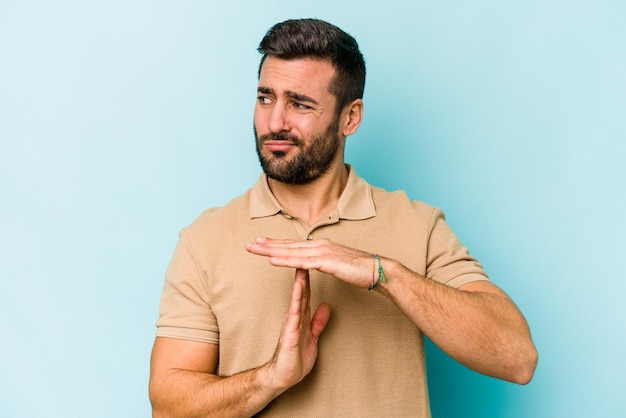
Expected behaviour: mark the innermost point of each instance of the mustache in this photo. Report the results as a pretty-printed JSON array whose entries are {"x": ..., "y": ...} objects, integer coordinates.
[{"x": 279, "y": 136}]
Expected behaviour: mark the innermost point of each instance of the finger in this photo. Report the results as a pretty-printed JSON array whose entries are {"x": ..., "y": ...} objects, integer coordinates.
[
  {"x": 288, "y": 243},
  {"x": 301, "y": 258},
  {"x": 303, "y": 263},
  {"x": 274, "y": 249},
  {"x": 302, "y": 276},
  {"x": 293, "y": 322},
  {"x": 267, "y": 240}
]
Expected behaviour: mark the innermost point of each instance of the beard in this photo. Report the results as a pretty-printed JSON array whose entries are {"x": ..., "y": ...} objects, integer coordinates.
[{"x": 314, "y": 159}]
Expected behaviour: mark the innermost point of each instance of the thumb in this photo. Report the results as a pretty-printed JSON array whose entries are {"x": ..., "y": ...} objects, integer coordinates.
[{"x": 320, "y": 320}]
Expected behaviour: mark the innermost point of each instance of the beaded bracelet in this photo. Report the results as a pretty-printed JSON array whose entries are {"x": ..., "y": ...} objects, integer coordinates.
[{"x": 381, "y": 273}]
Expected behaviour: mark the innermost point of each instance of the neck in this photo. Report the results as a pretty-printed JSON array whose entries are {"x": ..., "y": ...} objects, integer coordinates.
[{"x": 310, "y": 202}]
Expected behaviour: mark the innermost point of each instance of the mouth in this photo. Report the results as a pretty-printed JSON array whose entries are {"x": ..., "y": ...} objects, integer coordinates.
[
  {"x": 279, "y": 142},
  {"x": 279, "y": 145}
]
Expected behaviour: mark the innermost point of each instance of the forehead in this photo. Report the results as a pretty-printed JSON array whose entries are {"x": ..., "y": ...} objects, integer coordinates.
[{"x": 303, "y": 75}]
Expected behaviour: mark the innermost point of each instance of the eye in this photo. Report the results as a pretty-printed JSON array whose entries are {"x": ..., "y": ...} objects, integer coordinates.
[
  {"x": 264, "y": 100},
  {"x": 301, "y": 106}
]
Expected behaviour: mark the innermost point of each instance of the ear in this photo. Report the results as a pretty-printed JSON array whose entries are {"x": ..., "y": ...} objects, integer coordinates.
[{"x": 351, "y": 117}]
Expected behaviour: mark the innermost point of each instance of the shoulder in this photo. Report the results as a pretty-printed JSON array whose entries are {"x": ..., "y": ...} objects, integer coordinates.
[
  {"x": 400, "y": 202},
  {"x": 220, "y": 218}
]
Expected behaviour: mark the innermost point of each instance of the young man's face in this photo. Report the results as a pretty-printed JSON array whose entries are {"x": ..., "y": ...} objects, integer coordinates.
[{"x": 295, "y": 122}]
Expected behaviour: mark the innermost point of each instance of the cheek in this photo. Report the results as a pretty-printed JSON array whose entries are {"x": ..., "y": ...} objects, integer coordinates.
[{"x": 258, "y": 122}]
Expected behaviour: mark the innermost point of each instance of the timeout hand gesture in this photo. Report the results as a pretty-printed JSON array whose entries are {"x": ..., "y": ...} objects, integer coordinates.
[
  {"x": 297, "y": 348},
  {"x": 347, "y": 264}
]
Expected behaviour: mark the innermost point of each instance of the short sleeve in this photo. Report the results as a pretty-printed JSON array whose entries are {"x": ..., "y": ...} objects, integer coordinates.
[
  {"x": 448, "y": 261},
  {"x": 185, "y": 312}
]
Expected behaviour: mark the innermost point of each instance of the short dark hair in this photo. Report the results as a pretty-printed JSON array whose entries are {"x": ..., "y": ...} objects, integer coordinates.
[{"x": 314, "y": 38}]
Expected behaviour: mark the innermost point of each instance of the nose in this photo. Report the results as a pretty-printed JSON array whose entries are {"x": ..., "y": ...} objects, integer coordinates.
[{"x": 278, "y": 120}]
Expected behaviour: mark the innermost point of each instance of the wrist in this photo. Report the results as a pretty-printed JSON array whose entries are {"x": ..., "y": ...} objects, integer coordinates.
[
  {"x": 378, "y": 272},
  {"x": 389, "y": 268},
  {"x": 267, "y": 379}
]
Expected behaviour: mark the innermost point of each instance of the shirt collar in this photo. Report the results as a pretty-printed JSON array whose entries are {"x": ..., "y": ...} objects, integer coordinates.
[{"x": 355, "y": 202}]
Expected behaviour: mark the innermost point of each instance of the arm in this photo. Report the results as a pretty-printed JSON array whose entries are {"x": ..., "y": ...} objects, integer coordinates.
[
  {"x": 183, "y": 382},
  {"x": 477, "y": 324}
]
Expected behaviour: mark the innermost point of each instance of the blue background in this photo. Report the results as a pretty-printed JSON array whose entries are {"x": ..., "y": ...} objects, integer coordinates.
[{"x": 120, "y": 121}]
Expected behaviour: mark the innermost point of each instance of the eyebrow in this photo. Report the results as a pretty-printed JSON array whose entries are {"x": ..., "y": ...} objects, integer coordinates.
[{"x": 289, "y": 93}]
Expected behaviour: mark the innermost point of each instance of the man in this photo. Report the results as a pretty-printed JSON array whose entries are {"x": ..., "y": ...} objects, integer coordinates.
[{"x": 237, "y": 334}]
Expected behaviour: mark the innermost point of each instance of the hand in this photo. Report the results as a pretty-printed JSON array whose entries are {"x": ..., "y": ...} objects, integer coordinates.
[
  {"x": 347, "y": 264},
  {"x": 297, "y": 348}
]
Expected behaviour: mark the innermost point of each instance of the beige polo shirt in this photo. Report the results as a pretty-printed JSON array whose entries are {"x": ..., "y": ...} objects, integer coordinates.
[{"x": 371, "y": 357}]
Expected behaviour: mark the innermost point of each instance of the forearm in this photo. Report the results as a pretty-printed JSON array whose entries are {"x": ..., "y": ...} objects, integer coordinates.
[
  {"x": 484, "y": 330},
  {"x": 184, "y": 393}
]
